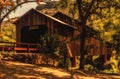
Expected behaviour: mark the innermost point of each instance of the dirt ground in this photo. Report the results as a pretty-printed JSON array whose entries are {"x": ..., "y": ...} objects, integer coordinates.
[{"x": 17, "y": 70}]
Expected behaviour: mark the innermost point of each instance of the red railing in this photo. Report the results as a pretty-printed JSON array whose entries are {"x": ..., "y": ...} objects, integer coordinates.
[{"x": 19, "y": 47}]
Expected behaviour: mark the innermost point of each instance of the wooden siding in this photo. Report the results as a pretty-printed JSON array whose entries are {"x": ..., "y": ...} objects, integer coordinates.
[{"x": 93, "y": 47}]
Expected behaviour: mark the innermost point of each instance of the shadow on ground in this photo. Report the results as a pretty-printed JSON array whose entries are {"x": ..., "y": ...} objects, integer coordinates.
[{"x": 17, "y": 70}]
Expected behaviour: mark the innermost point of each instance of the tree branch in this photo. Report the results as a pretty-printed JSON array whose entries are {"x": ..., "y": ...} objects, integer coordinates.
[
  {"x": 13, "y": 10},
  {"x": 89, "y": 9},
  {"x": 79, "y": 2}
]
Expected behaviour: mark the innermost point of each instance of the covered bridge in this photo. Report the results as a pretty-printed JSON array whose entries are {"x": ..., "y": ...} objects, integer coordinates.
[{"x": 33, "y": 24}]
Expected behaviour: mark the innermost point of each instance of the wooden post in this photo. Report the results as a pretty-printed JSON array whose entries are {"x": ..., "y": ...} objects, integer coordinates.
[
  {"x": 14, "y": 48},
  {"x": 28, "y": 46},
  {"x": 73, "y": 60},
  {"x": 3, "y": 48},
  {"x": 65, "y": 59},
  {"x": 105, "y": 58}
]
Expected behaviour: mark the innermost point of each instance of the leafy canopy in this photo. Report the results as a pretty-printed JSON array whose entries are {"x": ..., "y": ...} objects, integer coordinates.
[{"x": 101, "y": 15}]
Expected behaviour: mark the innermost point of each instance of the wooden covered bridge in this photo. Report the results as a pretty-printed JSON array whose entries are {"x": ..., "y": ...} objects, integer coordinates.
[{"x": 33, "y": 24}]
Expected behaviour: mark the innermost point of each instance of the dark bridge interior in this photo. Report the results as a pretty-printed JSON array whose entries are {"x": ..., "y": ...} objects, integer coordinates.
[{"x": 31, "y": 34}]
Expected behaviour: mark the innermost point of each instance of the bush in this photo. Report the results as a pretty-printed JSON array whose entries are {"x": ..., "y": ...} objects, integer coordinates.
[
  {"x": 50, "y": 44},
  {"x": 91, "y": 68},
  {"x": 64, "y": 63},
  {"x": 99, "y": 63}
]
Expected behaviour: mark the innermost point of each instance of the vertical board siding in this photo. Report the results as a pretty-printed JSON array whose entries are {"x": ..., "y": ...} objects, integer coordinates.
[{"x": 34, "y": 18}]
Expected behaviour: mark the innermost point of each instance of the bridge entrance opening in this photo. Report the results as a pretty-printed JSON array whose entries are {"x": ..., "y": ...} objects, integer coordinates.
[{"x": 31, "y": 34}]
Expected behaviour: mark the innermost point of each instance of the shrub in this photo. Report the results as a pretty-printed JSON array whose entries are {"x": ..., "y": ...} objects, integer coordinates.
[
  {"x": 64, "y": 63},
  {"x": 50, "y": 44},
  {"x": 99, "y": 63}
]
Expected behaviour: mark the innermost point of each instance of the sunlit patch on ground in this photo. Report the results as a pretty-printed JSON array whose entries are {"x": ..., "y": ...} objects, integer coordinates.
[
  {"x": 18, "y": 63},
  {"x": 53, "y": 71},
  {"x": 83, "y": 77},
  {"x": 19, "y": 76}
]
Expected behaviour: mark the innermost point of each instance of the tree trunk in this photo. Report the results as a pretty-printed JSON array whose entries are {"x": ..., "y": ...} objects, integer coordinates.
[
  {"x": 65, "y": 60},
  {"x": 83, "y": 20},
  {"x": 82, "y": 49}
]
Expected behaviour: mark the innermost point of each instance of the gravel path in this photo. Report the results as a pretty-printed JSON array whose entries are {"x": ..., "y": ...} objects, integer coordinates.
[{"x": 17, "y": 70}]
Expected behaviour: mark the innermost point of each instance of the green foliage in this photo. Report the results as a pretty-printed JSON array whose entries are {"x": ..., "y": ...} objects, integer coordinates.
[
  {"x": 116, "y": 40},
  {"x": 91, "y": 68},
  {"x": 68, "y": 7},
  {"x": 50, "y": 43},
  {"x": 73, "y": 11},
  {"x": 114, "y": 62},
  {"x": 112, "y": 65},
  {"x": 9, "y": 32},
  {"x": 63, "y": 4},
  {"x": 99, "y": 62},
  {"x": 64, "y": 63}
]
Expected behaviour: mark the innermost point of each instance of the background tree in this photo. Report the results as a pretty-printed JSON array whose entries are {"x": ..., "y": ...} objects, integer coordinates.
[
  {"x": 68, "y": 7},
  {"x": 99, "y": 8},
  {"x": 116, "y": 41},
  {"x": 96, "y": 14},
  {"x": 8, "y": 31}
]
